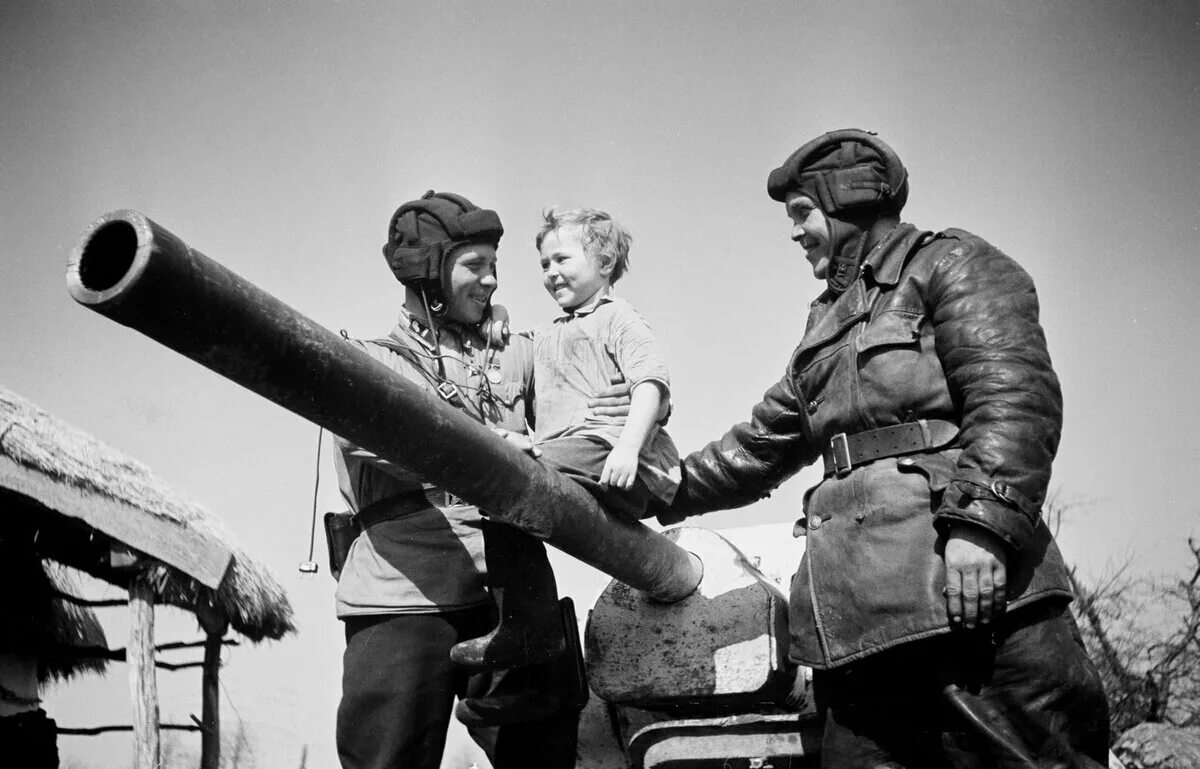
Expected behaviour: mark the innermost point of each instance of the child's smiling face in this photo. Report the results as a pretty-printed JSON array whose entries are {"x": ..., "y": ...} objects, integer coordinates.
[{"x": 569, "y": 274}]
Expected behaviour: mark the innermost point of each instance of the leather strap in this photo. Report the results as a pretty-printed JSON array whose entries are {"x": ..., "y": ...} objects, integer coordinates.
[
  {"x": 846, "y": 452},
  {"x": 999, "y": 489}
]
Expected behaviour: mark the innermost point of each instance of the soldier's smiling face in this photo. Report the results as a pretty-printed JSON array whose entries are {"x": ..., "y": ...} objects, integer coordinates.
[
  {"x": 810, "y": 229},
  {"x": 470, "y": 282}
]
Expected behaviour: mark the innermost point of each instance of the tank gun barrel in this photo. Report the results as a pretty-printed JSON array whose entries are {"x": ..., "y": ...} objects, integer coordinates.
[{"x": 131, "y": 270}]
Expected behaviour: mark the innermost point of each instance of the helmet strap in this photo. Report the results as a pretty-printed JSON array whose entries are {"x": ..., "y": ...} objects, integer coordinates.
[
  {"x": 432, "y": 298},
  {"x": 447, "y": 389},
  {"x": 847, "y": 245}
]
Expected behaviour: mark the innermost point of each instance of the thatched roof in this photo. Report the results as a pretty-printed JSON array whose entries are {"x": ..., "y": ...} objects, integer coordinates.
[
  {"x": 38, "y": 625},
  {"x": 67, "y": 471},
  {"x": 71, "y": 627}
]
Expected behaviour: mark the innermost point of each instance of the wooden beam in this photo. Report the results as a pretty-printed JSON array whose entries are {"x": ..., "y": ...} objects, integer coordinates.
[
  {"x": 118, "y": 655},
  {"x": 91, "y": 603},
  {"x": 88, "y": 731},
  {"x": 197, "y": 555},
  {"x": 210, "y": 713},
  {"x": 215, "y": 625},
  {"x": 143, "y": 683}
]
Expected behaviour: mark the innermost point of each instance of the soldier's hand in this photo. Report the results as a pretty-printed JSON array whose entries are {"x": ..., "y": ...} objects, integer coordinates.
[
  {"x": 523, "y": 442},
  {"x": 494, "y": 326},
  {"x": 664, "y": 514},
  {"x": 976, "y": 576},
  {"x": 612, "y": 401}
]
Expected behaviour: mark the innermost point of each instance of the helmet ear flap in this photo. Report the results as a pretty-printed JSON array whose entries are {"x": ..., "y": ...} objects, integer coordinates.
[
  {"x": 432, "y": 295},
  {"x": 415, "y": 263},
  {"x": 893, "y": 187},
  {"x": 495, "y": 326}
]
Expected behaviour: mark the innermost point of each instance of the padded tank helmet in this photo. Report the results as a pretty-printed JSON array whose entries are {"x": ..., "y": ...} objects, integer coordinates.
[
  {"x": 422, "y": 232},
  {"x": 846, "y": 173}
]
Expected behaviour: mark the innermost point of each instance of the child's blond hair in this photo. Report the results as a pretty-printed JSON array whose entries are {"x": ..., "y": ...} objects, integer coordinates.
[{"x": 600, "y": 233}]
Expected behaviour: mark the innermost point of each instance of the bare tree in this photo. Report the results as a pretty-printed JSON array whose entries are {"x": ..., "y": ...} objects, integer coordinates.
[
  {"x": 237, "y": 752},
  {"x": 1143, "y": 632}
]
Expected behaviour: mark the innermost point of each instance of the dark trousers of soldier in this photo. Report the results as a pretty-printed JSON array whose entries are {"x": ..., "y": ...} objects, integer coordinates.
[
  {"x": 398, "y": 690},
  {"x": 581, "y": 459},
  {"x": 1035, "y": 690}
]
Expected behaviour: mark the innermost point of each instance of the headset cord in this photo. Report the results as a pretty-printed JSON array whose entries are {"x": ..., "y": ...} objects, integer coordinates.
[
  {"x": 485, "y": 390},
  {"x": 437, "y": 339},
  {"x": 310, "y": 566}
]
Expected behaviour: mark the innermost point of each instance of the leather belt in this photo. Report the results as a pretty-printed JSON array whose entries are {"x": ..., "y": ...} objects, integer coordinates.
[
  {"x": 407, "y": 503},
  {"x": 846, "y": 452}
]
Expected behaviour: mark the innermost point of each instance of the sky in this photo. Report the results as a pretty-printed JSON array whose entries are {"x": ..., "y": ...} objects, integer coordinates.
[{"x": 278, "y": 137}]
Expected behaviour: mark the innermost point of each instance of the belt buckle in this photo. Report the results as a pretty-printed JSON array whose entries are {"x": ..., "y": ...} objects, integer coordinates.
[
  {"x": 441, "y": 498},
  {"x": 840, "y": 448},
  {"x": 449, "y": 392}
]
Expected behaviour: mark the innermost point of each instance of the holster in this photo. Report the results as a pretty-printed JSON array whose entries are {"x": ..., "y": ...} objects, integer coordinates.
[{"x": 341, "y": 529}]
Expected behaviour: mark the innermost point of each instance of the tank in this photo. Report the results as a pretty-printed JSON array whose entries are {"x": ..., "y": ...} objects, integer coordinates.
[{"x": 685, "y": 650}]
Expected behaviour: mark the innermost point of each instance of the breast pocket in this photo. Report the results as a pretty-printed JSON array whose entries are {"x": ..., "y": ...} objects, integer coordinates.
[
  {"x": 891, "y": 329},
  {"x": 823, "y": 380},
  {"x": 823, "y": 368},
  {"x": 897, "y": 365}
]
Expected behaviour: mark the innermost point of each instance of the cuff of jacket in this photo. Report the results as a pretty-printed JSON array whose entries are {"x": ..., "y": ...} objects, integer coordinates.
[
  {"x": 671, "y": 514},
  {"x": 996, "y": 507},
  {"x": 670, "y": 517}
]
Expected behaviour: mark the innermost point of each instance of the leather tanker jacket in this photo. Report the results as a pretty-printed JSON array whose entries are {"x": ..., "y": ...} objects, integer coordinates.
[{"x": 936, "y": 327}]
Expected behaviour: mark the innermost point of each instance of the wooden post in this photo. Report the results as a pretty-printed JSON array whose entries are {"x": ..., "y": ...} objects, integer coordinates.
[
  {"x": 215, "y": 624},
  {"x": 143, "y": 686}
]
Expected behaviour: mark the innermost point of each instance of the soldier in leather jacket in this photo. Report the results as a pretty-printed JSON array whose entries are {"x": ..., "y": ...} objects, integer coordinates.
[{"x": 931, "y": 598}]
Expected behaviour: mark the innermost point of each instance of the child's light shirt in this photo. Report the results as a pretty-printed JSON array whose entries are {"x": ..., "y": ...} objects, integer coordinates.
[{"x": 581, "y": 353}]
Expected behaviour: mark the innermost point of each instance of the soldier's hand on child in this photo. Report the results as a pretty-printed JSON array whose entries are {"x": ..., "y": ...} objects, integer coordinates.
[
  {"x": 523, "y": 442},
  {"x": 494, "y": 325},
  {"x": 620, "y": 469},
  {"x": 612, "y": 401}
]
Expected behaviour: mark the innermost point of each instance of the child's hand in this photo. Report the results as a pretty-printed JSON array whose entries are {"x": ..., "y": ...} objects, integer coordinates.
[{"x": 620, "y": 469}]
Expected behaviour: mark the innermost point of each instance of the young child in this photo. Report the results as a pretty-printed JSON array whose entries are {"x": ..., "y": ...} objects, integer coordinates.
[{"x": 622, "y": 461}]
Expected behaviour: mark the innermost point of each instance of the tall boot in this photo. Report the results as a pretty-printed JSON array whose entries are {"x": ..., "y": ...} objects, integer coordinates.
[
  {"x": 521, "y": 582},
  {"x": 520, "y": 694},
  {"x": 554, "y": 690}
]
